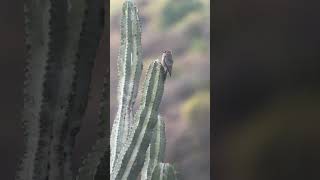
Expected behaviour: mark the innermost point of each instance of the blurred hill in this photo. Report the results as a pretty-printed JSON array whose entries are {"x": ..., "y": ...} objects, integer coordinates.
[
  {"x": 183, "y": 27},
  {"x": 266, "y": 89}
]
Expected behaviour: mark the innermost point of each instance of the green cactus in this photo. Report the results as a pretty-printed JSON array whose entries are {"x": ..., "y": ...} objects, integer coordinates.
[
  {"x": 131, "y": 157},
  {"x": 156, "y": 149},
  {"x": 129, "y": 72},
  {"x": 61, "y": 39},
  {"x": 137, "y": 140},
  {"x": 163, "y": 171}
]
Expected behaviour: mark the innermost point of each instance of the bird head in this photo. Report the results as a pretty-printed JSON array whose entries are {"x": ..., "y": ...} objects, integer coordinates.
[{"x": 167, "y": 52}]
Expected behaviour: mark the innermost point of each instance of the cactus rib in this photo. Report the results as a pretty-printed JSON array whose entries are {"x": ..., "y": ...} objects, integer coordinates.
[
  {"x": 156, "y": 149},
  {"x": 96, "y": 158},
  {"x": 37, "y": 16},
  {"x": 164, "y": 171},
  {"x": 137, "y": 141},
  {"x": 55, "y": 37},
  {"x": 91, "y": 29},
  {"x": 67, "y": 28},
  {"x": 96, "y": 164},
  {"x": 132, "y": 155},
  {"x": 129, "y": 72}
]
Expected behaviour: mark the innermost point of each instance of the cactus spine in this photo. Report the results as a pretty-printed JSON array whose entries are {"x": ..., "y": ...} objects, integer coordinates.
[
  {"x": 61, "y": 40},
  {"x": 137, "y": 141},
  {"x": 129, "y": 72}
]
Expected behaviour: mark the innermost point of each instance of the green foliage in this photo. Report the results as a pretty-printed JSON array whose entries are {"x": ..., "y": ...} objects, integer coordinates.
[
  {"x": 174, "y": 11},
  {"x": 198, "y": 45},
  {"x": 196, "y": 107}
]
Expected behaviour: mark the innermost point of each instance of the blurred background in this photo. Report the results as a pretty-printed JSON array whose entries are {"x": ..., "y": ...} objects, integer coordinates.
[
  {"x": 266, "y": 74},
  {"x": 184, "y": 27}
]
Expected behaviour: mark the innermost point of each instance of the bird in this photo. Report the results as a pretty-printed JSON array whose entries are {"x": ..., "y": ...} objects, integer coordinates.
[{"x": 167, "y": 61}]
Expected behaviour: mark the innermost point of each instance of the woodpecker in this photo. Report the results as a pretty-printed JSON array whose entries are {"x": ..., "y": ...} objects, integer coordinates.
[{"x": 167, "y": 61}]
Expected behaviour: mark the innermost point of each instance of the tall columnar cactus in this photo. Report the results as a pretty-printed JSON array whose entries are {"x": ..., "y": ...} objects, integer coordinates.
[
  {"x": 61, "y": 39},
  {"x": 96, "y": 165},
  {"x": 137, "y": 140}
]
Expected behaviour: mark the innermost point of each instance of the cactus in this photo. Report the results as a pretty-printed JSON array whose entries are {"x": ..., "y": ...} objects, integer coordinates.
[
  {"x": 61, "y": 39},
  {"x": 96, "y": 165},
  {"x": 137, "y": 140},
  {"x": 129, "y": 72},
  {"x": 163, "y": 171},
  {"x": 156, "y": 149}
]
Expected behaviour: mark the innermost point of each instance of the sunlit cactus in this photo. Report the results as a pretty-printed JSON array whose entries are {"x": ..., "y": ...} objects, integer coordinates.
[
  {"x": 137, "y": 139},
  {"x": 163, "y": 171},
  {"x": 155, "y": 152}
]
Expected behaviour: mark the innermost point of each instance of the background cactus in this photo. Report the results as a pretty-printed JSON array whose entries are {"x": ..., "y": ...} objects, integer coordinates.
[
  {"x": 137, "y": 141},
  {"x": 96, "y": 165},
  {"x": 61, "y": 38}
]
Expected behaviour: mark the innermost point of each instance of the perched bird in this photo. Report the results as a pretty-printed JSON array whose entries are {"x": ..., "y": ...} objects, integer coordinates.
[{"x": 167, "y": 61}]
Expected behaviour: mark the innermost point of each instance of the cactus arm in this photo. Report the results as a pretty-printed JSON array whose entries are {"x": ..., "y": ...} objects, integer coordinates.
[
  {"x": 37, "y": 15},
  {"x": 104, "y": 124},
  {"x": 163, "y": 171},
  {"x": 88, "y": 43},
  {"x": 145, "y": 168},
  {"x": 137, "y": 142},
  {"x": 132, "y": 155},
  {"x": 136, "y": 57},
  {"x": 96, "y": 165},
  {"x": 65, "y": 60},
  {"x": 157, "y": 146},
  {"x": 129, "y": 72},
  {"x": 103, "y": 168},
  {"x": 156, "y": 150},
  {"x": 53, "y": 30}
]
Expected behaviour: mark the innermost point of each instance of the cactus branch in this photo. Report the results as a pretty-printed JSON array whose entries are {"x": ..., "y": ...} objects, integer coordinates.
[
  {"x": 156, "y": 150},
  {"x": 61, "y": 39},
  {"x": 96, "y": 165},
  {"x": 86, "y": 53},
  {"x": 132, "y": 155},
  {"x": 37, "y": 16},
  {"x": 164, "y": 171},
  {"x": 137, "y": 141},
  {"x": 129, "y": 72}
]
